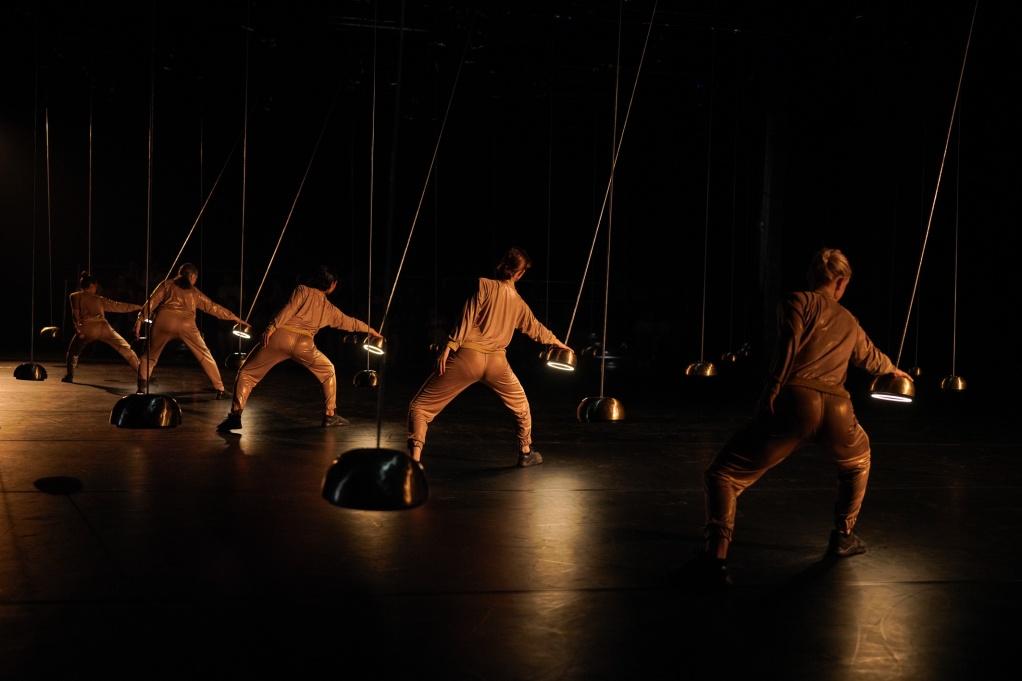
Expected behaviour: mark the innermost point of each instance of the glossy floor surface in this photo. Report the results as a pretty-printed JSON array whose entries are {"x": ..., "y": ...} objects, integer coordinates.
[{"x": 186, "y": 554}]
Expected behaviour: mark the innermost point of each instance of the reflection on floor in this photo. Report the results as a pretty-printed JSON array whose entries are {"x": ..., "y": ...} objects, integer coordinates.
[{"x": 182, "y": 553}]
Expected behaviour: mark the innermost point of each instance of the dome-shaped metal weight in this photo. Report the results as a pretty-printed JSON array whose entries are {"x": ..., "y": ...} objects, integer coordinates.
[
  {"x": 375, "y": 480},
  {"x": 892, "y": 388},
  {"x": 50, "y": 332},
  {"x": 146, "y": 411},
  {"x": 559, "y": 358},
  {"x": 30, "y": 371},
  {"x": 701, "y": 369},
  {"x": 953, "y": 384},
  {"x": 235, "y": 360},
  {"x": 367, "y": 378},
  {"x": 375, "y": 345},
  {"x": 242, "y": 330},
  {"x": 600, "y": 410}
]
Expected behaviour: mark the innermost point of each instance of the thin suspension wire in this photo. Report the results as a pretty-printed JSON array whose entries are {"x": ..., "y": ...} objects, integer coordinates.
[
  {"x": 734, "y": 217},
  {"x": 940, "y": 175},
  {"x": 613, "y": 168},
  {"x": 149, "y": 188},
  {"x": 958, "y": 189},
  {"x": 244, "y": 167},
  {"x": 610, "y": 207},
  {"x": 709, "y": 167},
  {"x": 35, "y": 199},
  {"x": 291, "y": 212},
  {"x": 429, "y": 174},
  {"x": 202, "y": 193},
  {"x": 549, "y": 169},
  {"x": 89, "y": 199},
  {"x": 49, "y": 210},
  {"x": 372, "y": 182}
]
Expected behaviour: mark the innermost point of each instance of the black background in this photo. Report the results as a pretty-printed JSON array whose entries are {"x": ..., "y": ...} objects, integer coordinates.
[{"x": 819, "y": 124}]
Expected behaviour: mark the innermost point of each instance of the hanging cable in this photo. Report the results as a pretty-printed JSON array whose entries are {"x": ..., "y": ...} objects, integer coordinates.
[
  {"x": 936, "y": 191},
  {"x": 706, "y": 227},
  {"x": 958, "y": 189},
  {"x": 610, "y": 206},
  {"x": 372, "y": 181},
  {"x": 549, "y": 166},
  {"x": 734, "y": 215},
  {"x": 49, "y": 210},
  {"x": 35, "y": 199},
  {"x": 291, "y": 212},
  {"x": 149, "y": 189},
  {"x": 89, "y": 199},
  {"x": 244, "y": 168},
  {"x": 613, "y": 168},
  {"x": 429, "y": 174}
]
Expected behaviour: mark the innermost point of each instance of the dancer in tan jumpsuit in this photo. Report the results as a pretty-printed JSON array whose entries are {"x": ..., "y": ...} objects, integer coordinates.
[
  {"x": 475, "y": 353},
  {"x": 804, "y": 401},
  {"x": 290, "y": 336},
  {"x": 174, "y": 303},
  {"x": 88, "y": 310}
]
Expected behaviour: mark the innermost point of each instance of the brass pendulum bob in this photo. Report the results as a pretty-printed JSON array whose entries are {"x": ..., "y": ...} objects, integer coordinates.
[
  {"x": 51, "y": 332},
  {"x": 374, "y": 345},
  {"x": 701, "y": 369},
  {"x": 367, "y": 378},
  {"x": 559, "y": 358},
  {"x": 375, "y": 480},
  {"x": 953, "y": 384},
  {"x": 892, "y": 388},
  {"x": 600, "y": 409},
  {"x": 242, "y": 330}
]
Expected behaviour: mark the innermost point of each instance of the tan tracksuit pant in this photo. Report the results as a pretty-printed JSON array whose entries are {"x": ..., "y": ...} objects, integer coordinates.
[
  {"x": 99, "y": 330},
  {"x": 801, "y": 416},
  {"x": 465, "y": 367},
  {"x": 172, "y": 325},
  {"x": 285, "y": 344},
  {"x": 817, "y": 339}
]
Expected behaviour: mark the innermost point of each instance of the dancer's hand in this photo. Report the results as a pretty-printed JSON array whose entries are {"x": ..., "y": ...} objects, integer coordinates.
[
  {"x": 441, "y": 361},
  {"x": 266, "y": 335},
  {"x": 138, "y": 329},
  {"x": 561, "y": 345},
  {"x": 374, "y": 333},
  {"x": 901, "y": 374}
]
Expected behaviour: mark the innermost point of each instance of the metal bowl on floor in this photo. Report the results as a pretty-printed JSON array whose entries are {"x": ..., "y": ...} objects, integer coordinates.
[{"x": 375, "y": 480}]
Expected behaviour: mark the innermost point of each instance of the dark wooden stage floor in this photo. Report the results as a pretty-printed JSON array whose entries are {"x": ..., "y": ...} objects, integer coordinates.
[{"x": 188, "y": 554}]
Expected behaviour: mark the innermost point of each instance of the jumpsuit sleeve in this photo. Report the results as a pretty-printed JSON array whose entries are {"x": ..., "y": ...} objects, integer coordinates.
[
  {"x": 155, "y": 299},
  {"x": 867, "y": 356},
  {"x": 469, "y": 313},
  {"x": 790, "y": 327},
  {"x": 338, "y": 320},
  {"x": 76, "y": 315},
  {"x": 117, "y": 306},
  {"x": 203, "y": 302},
  {"x": 531, "y": 327},
  {"x": 288, "y": 311}
]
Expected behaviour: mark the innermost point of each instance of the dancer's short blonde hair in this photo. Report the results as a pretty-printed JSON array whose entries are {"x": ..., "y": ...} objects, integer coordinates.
[{"x": 827, "y": 265}]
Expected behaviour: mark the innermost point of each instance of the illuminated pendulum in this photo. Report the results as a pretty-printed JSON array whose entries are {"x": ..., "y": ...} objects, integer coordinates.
[
  {"x": 563, "y": 359},
  {"x": 891, "y": 387},
  {"x": 604, "y": 408},
  {"x": 378, "y": 478},
  {"x": 52, "y": 331},
  {"x": 955, "y": 383},
  {"x": 145, "y": 410},
  {"x": 368, "y": 377},
  {"x": 31, "y": 371},
  {"x": 731, "y": 357},
  {"x": 243, "y": 330},
  {"x": 703, "y": 368}
]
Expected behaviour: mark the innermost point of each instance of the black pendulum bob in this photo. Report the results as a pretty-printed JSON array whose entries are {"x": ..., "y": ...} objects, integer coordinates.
[{"x": 375, "y": 480}]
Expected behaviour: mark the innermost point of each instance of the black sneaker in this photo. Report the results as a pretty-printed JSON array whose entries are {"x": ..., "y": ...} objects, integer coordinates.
[
  {"x": 232, "y": 422},
  {"x": 69, "y": 378},
  {"x": 335, "y": 420},
  {"x": 219, "y": 395},
  {"x": 706, "y": 572},
  {"x": 845, "y": 545},
  {"x": 530, "y": 458}
]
